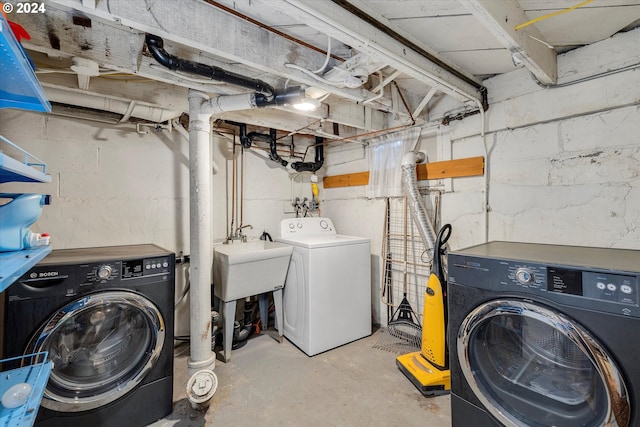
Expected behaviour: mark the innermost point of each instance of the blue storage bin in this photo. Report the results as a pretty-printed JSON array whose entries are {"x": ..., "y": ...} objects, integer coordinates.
[{"x": 16, "y": 217}]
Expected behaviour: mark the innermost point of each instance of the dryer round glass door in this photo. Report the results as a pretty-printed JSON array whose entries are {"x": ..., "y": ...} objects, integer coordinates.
[
  {"x": 101, "y": 345},
  {"x": 532, "y": 366}
]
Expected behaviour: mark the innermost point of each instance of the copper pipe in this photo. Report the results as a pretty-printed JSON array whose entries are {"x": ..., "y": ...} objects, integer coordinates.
[
  {"x": 404, "y": 102},
  {"x": 233, "y": 186},
  {"x": 271, "y": 29}
]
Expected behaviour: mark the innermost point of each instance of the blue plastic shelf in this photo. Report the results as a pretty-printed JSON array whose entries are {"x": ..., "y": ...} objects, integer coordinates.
[
  {"x": 19, "y": 86},
  {"x": 12, "y": 170},
  {"x": 15, "y": 264},
  {"x": 36, "y": 373}
]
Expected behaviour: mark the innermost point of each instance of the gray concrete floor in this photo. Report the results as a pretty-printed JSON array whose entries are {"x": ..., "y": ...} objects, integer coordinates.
[{"x": 267, "y": 383}]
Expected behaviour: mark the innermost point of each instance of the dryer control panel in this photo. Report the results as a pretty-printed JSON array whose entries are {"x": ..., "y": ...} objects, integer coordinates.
[{"x": 614, "y": 291}]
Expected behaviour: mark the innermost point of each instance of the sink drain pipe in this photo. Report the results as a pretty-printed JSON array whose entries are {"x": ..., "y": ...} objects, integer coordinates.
[
  {"x": 201, "y": 108},
  {"x": 319, "y": 159}
]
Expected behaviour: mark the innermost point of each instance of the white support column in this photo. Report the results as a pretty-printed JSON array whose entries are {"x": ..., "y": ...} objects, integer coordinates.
[{"x": 200, "y": 197}]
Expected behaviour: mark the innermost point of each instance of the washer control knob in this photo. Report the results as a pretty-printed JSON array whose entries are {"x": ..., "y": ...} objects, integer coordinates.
[
  {"x": 525, "y": 276},
  {"x": 323, "y": 224},
  {"x": 291, "y": 225},
  {"x": 104, "y": 272}
]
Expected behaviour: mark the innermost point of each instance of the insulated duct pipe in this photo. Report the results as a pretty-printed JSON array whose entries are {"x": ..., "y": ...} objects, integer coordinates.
[
  {"x": 312, "y": 166},
  {"x": 418, "y": 210}
]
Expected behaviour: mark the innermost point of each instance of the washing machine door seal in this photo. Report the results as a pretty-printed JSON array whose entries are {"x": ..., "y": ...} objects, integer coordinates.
[
  {"x": 530, "y": 365},
  {"x": 102, "y": 345}
]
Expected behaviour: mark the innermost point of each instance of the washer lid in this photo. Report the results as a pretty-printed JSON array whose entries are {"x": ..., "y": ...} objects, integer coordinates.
[{"x": 323, "y": 241}]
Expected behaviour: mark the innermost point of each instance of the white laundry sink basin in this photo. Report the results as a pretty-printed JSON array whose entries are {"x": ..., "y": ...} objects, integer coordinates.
[{"x": 250, "y": 268}]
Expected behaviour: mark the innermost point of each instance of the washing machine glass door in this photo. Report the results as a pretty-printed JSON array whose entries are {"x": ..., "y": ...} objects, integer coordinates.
[
  {"x": 532, "y": 366},
  {"x": 102, "y": 345}
]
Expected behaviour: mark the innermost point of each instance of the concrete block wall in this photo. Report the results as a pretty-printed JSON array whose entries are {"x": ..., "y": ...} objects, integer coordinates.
[
  {"x": 563, "y": 164},
  {"x": 110, "y": 185}
]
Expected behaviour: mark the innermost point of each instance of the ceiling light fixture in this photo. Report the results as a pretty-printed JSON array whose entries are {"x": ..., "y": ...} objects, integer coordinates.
[{"x": 306, "y": 104}]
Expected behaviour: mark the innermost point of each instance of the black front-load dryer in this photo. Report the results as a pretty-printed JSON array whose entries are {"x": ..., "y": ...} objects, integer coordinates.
[
  {"x": 544, "y": 335},
  {"x": 105, "y": 317}
]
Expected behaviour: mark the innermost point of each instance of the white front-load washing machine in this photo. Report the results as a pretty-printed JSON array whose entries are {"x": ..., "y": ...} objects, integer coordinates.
[{"x": 327, "y": 293}]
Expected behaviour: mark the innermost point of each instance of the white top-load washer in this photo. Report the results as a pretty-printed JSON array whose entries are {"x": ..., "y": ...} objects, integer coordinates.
[{"x": 327, "y": 293}]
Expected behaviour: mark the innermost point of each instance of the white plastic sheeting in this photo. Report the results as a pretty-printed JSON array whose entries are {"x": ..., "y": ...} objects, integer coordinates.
[{"x": 385, "y": 160}]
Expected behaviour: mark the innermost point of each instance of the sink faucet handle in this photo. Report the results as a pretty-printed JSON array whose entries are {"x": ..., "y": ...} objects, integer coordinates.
[{"x": 239, "y": 229}]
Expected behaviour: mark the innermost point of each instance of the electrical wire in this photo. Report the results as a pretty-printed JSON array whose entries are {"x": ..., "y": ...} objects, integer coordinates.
[
  {"x": 585, "y": 79},
  {"x": 326, "y": 61},
  {"x": 549, "y": 15},
  {"x": 315, "y": 76}
]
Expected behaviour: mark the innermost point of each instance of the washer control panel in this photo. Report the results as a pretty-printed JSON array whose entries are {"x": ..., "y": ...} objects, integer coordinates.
[
  {"x": 100, "y": 273},
  {"x": 145, "y": 267},
  {"x": 311, "y": 226}
]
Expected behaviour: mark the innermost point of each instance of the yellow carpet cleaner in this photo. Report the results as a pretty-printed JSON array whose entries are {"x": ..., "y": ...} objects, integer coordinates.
[{"x": 428, "y": 369}]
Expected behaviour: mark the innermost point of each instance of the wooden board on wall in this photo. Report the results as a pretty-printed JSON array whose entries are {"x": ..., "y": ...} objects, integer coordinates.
[
  {"x": 471, "y": 166},
  {"x": 346, "y": 180}
]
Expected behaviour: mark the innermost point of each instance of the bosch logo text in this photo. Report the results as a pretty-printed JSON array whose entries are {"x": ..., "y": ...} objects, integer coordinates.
[{"x": 48, "y": 274}]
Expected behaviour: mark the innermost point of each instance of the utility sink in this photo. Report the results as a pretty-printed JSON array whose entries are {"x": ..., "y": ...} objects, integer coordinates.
[
  {"x": 241, "y": 270},
  {"x": 249, "y": 268}
]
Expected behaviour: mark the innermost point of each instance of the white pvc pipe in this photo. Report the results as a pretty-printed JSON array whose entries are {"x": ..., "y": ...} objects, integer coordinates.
[
  {"x": 201, "y": 108},
  {"x": 200, "y": 179},
  {"x": 483, "y": 136},
  {"x": 183, "y": 132},
  {"x": 114, "y": 105}
]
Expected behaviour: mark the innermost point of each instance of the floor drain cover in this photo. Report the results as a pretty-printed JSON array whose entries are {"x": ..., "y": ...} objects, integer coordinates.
[{"x": 201, "y": 386}]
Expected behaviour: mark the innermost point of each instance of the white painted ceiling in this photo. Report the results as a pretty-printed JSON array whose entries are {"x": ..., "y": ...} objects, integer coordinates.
[{"x": 432, "y": 55}]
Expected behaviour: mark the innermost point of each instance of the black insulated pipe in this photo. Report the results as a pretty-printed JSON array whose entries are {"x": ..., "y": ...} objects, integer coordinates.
[
  {"x": 247, "y": 139},
  {"x": 156, "y": 47},
  {"x": 271, "y": 139},
  {"x": 244, "y": 137},
  {"x": 273, "y": 152},
  {"x": 319, "y": 160}
]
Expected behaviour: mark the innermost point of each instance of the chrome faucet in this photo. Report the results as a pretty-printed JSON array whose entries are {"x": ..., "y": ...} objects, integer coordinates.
[
  {"x": 239, "y": 231},
  {"x": 238, "y": 234}
]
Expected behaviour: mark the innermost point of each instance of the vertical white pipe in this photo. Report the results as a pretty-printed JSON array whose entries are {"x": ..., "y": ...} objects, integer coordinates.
[
  {"x": 200, "y": 196},
  {"x": 485, "y": 207}
]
